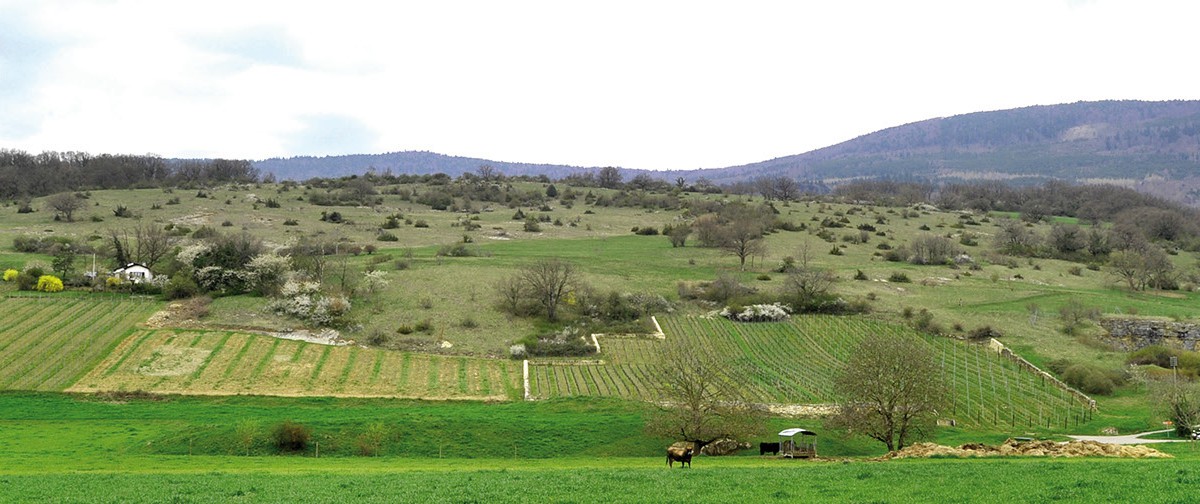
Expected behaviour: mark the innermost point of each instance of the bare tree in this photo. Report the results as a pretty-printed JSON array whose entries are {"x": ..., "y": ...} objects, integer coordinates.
[
  {"x": 1014, "y": 238},
  {"x": 512, "y": 293},
  {"x": 1147, "y": 268},
  {"x": 699, "y": 400},
  {"x": 1179, "y": 401},
  {"x": 806, "y": 282},
  {"x": 151, "y": 243},
  {"x": 764, "y": 186},
  {"x": 64, "y": 205},
  {"x": 786, "y": 188},
  {"x": 548, "y": 281},
  {"x": 891, "y": 390},
  {"x": 309, "y": 255},
  {"x": 742, "y": 238},
  {"x": 932, "y": 249}
]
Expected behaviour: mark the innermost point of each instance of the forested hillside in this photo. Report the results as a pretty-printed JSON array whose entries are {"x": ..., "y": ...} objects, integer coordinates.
[
  {"x": 1151, "y": 146},
  {"x": 1129, "y": 142}
]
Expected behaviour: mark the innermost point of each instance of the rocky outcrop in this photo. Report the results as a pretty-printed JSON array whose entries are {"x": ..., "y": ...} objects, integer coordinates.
[{"x": 1134, "y": 333}]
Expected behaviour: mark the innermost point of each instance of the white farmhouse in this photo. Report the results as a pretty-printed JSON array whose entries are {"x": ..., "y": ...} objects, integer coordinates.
[{"x": 134, "y": 272}]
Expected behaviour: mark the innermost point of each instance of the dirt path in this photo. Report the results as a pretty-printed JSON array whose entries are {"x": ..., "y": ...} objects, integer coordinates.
[{"x": 1130, "y": 439}]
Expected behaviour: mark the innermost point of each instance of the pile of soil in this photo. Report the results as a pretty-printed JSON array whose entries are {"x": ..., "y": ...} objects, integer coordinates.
[{"x": 1013, "y": 447}]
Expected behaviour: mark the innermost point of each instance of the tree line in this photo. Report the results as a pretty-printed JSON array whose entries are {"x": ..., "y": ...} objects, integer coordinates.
[{"x": 26, "y": 175}]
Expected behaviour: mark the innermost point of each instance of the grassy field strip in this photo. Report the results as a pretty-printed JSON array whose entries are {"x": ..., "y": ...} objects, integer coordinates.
[
  {"x": 794, "y": 362},
  {"x": 59, "y": 341},
  {"x": 220, "y": 363},
  {"x": 619, "y": 480},
  {"x": 22, "y": 338},
  {"x": 25, "y": 311},
  {"x": 72, "y": 353},
  {"x": 20, "y": 370}
]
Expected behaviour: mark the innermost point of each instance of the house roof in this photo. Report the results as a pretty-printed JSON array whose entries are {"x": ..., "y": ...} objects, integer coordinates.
[{"x": 132, "y": 265}]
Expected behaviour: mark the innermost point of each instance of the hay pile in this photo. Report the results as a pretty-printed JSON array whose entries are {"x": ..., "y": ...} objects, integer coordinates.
[{"x": 1012, "y": 447}]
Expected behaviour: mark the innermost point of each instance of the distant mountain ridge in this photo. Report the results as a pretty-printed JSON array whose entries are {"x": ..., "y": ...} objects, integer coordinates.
[
  {"x": 411, "y": 162},
  {"x": 1151, "y": 146}
]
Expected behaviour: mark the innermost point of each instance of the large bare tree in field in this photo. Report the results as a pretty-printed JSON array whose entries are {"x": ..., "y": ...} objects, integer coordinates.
[
  {"x": 743, "y": 238},
  {"x": 549, "y": 281},
  {"x": 891, "y": 389},
  {"x": 699, "y": 398},
  {"x": 64, "y": 205}
]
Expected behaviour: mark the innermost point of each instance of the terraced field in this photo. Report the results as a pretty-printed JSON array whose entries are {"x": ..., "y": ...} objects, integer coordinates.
[
  {"x": 794, "y": 363},
  {"x": 48, "y": 343},
  {"x": 219, "y": 363},
  {"x": 89, "y": 344}
]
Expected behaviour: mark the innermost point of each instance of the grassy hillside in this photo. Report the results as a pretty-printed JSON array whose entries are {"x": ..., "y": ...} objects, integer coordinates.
[{"x": 456, "y": 299}]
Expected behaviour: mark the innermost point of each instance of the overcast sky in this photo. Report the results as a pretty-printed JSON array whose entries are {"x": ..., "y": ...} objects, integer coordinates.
[{"x": 638, "y": 84}]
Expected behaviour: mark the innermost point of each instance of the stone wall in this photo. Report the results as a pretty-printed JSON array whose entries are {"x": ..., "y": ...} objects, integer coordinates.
[{"x": 1132, "y": 333}]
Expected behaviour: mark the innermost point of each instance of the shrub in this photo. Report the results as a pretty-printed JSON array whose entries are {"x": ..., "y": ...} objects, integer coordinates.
[
  {"x": 468, "y": 322},
  {"x": 49, "y": 283},
  {"x": 924, "y": 322},
  {"x": 10, "y": 274},
  {"x": 1091, "y": 379},
  {"x": 532, "y": 226},
  {"x": 292, "y": 437},
  {"x": 424, "y": 326},
  {"x": 859, "y": 275},
  {"x": 204, "y": 232},
  {"x": 291, "y": 222},
  {"x": 456, "y": 250},
  {"x": 227, "y": 223},
  {"x": 982, "y": 333},
  {"x": 420, "y": 223},
  {"x": 757, "y": 313},
  {"x": 764, "y": 277},
  {"x": 387, "y": 237},
  {"x": 180, "y": 287},
  {"x": 899, "y": 277},
  {"x": 646, "y": 231},
  {"x": 122, "y": 211},
  {"x": 26, "y": 282},
  {"x": 567, "y": 343}
]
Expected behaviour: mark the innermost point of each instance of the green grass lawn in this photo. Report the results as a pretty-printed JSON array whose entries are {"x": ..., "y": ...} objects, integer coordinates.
[
  {"x": 618, "y": 480},
  {"x": 74, "y": 448}
]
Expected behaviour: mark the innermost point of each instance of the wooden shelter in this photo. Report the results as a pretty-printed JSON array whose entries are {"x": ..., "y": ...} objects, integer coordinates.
[{"x": 791, "y": 447}]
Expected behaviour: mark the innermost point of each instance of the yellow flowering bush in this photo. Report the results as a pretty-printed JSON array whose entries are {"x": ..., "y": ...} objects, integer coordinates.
[
  {"x": 10, "y": 274},
  {"x": 49, "y": 283}
]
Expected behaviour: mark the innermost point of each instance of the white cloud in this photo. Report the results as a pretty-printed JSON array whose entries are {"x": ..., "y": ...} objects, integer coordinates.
[{"x": 639, "y": 84}]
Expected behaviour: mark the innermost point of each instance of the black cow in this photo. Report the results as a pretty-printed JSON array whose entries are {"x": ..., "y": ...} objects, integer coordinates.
[
  {"x": 683, "y": 455},
  {"x": 765, "y": 448}
]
